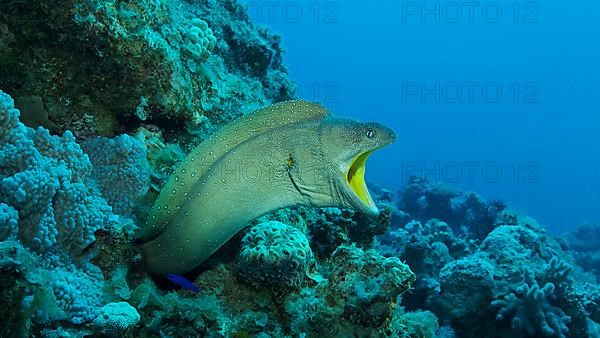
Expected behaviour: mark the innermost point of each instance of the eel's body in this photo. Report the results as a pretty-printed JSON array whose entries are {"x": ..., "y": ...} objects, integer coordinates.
[{"x": 288, "y": 154}]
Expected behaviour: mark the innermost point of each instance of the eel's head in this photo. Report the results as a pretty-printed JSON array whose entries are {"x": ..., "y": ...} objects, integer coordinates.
[{"x": 348, "y": 144}]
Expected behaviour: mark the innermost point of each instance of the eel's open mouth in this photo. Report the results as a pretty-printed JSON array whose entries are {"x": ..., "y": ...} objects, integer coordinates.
[{"x": 356, "y": 180}]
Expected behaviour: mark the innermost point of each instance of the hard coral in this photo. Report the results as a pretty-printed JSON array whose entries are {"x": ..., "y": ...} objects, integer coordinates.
[
  {"x": 358, "y": 297},
  {"x": 426, "y": 248},
  {"x": 585, "y": 245},
  {"x": 531, "y": 309},
  {"x": 424, "y": 200},
  {"x": 137, "y": 60},
  {"x": 463, "y": 211},
  {"x": 115, "y": 318},
  {"x": 368, "y": 283},
  {"x": 8, "y": 222},
  {"x": 51, "y": 289},
  {"x": 309, "y": 311},
  {"x": 120, "y": 169},
  {"x": 466, "y": 286},
  {"x": 52, "y": 205},
  {"x": 253, "y": 49},
  {"x": 44, "y": 177},
  {"x": 275, "y": 254},
  {"x": 331, "y": 227},
  {"x": 78, "y": 294}
]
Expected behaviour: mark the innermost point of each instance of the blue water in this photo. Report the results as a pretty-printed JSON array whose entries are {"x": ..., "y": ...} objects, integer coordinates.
[{"x": 530, "y": 138}]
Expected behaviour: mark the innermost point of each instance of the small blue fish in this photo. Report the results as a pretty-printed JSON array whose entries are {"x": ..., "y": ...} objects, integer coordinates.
[{"x": 183, "y": 282}]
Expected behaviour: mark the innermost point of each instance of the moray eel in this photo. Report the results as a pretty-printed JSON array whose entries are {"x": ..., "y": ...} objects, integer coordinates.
[{"x": 287, "y": 154}]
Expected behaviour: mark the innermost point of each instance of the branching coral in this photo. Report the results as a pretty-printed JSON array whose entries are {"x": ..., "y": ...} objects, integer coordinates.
[
  {"x": 120, "y": 169},
  {"x": 78, "y": 294},
  {"x": 52, "y": 206},
  {"x": 50, "y": 289},
  {"x": 557, "y": 272},
  {"x": 531, "y": 309},
  {"x": 8, "y": 222},
  {"x": 43, "y": 177}
]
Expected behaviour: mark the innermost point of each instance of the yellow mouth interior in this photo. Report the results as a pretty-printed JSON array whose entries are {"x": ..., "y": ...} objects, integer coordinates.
[{"x": 356, "y": 179}]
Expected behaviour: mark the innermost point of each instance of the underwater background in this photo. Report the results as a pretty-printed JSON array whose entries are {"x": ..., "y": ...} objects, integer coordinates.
[
  {"x": 101, "y": 101},
  {"x": 502, "y": 86}
]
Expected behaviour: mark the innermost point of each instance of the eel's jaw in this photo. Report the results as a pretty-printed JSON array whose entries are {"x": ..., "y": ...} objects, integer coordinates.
[{"x": 355, "y": 178}]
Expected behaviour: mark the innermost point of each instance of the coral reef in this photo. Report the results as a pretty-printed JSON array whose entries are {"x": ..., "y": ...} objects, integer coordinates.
[
  {"x": 52, "y": 211},
  {"x": 80, "y": 275},
  {"x": 366, "y": 280},
  {"x": 468, "y": 286},
  {"x": 509, "y": 276},
  {"x": 43, "y": 178},
  {"x": 8, "y": 222},
  {"x": 107, "y": 66},
  {"x": 436, "y": 262},
  {"x": 328, "y": 228},
  {"x": 584, "y": 243},
  {"x": 225, "y": 306},
  {"x": 461, "y": 210}
]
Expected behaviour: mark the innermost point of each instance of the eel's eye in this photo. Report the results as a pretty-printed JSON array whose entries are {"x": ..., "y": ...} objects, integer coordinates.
[{"x": 370, "y": 133}]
